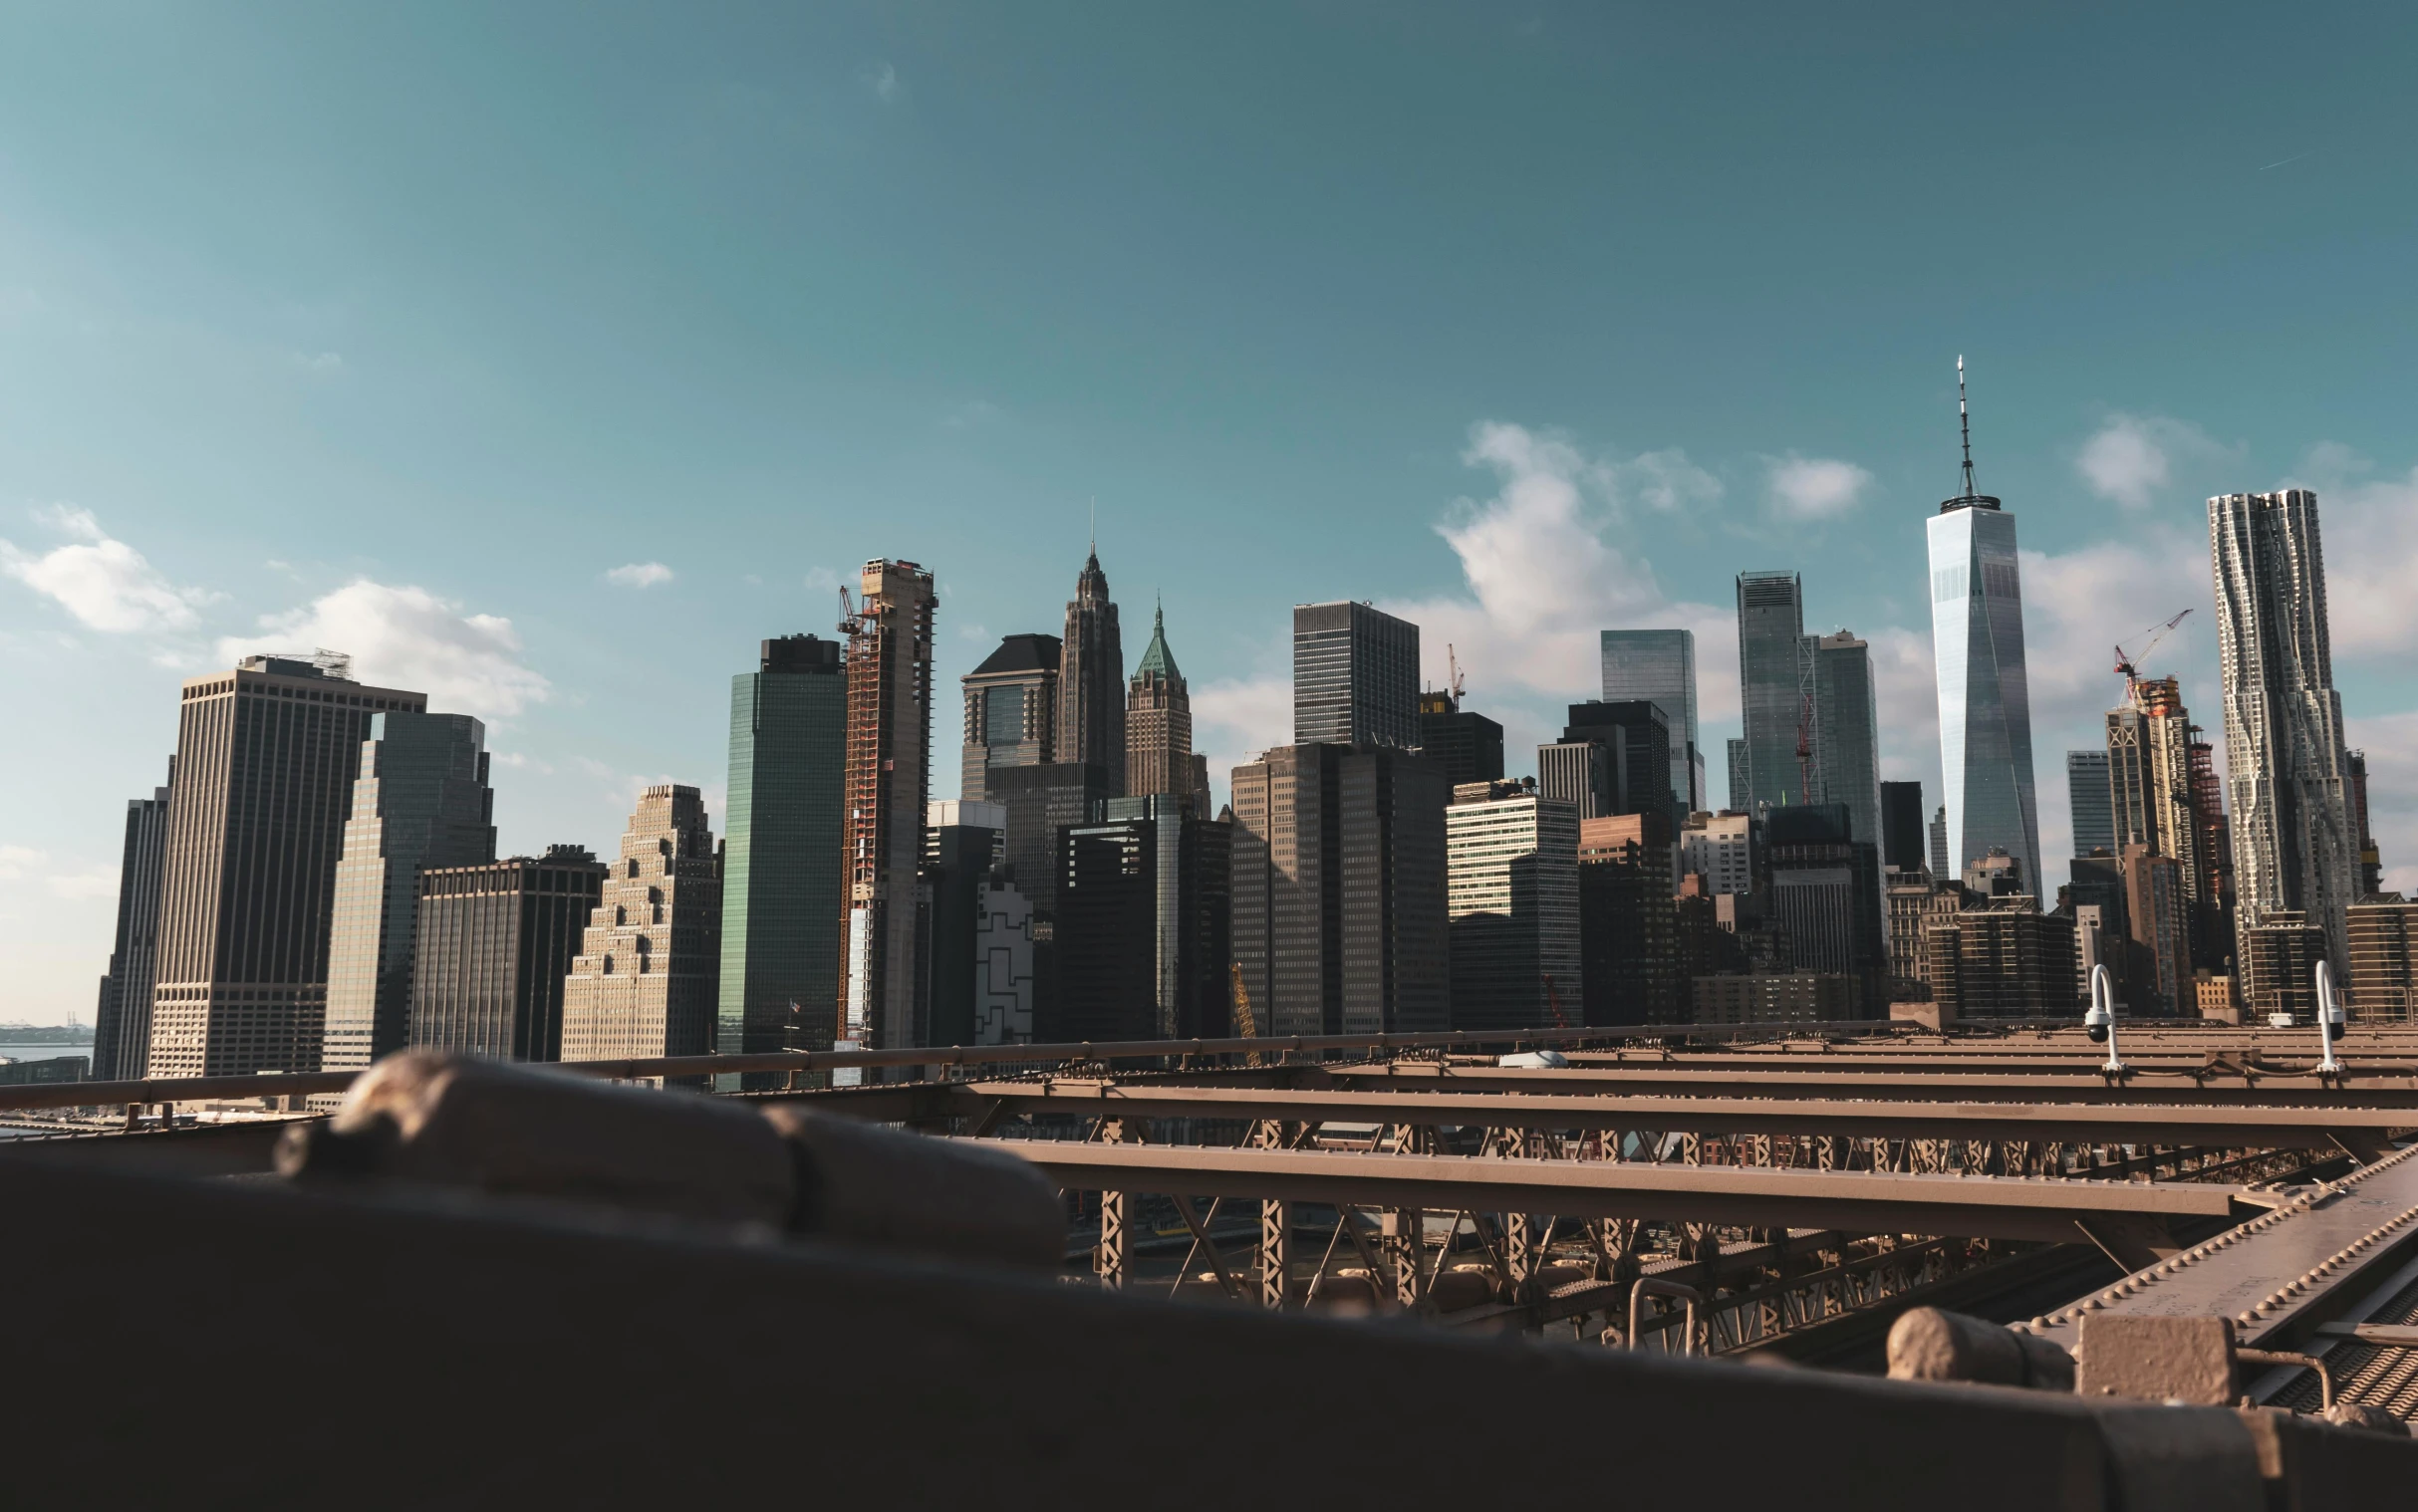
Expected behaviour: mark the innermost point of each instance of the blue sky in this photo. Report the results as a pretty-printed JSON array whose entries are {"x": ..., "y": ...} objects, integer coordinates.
[{"x": 404, "y": 331}]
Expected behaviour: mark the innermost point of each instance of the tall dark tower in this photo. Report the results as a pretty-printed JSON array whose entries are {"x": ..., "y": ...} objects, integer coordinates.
[{"x": 1091, "y": 680}]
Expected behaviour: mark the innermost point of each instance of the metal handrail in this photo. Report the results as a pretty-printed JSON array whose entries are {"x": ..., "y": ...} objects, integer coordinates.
[{"x": 1672, "y": 1289}]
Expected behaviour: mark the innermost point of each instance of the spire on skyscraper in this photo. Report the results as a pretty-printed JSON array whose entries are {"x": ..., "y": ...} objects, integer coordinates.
[{"x": 1969, "y": 498}]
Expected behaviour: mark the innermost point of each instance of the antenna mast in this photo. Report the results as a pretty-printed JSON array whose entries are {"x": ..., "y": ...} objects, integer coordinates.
[{"x": 1965, "y": 425}]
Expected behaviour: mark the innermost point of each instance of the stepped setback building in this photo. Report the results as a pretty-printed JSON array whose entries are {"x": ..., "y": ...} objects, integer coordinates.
[
  {"x": 1158, "y": 728},
  {"x": 421, "y": 801},
  {"x": 644, "y": 981},
  {"x": 1091, "y": 680},
  {"x": 266, "y": 758}
]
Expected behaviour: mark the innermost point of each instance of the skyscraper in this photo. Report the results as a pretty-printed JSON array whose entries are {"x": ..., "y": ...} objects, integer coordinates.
[
  {"x": 1902, "y": 826},
  {"x": 1977, "y": 638},
  {"x": 1465, "y": 743},
  {"x": 961, "y": 842},
  {"x": 1939, "y": 846},
  {"x": 1846, "y": 731},
  {"x": 493, "y": 948},
  {"x": 1632, "y": 961},
  {"x": 1339, "y": 915},
  {"x": 1661, "y": 665},
  {"x": 266, "y": 757},
  {"x": 1143, "y": 921},
  {"x": 1771, "y": 694},
  {"x": 1511, "y": 896},
  {"x": 2371, "y": 861},
  {"x": 1742, "y": 797},
  {"x": 1159, "y": 726},
  {"x": 643, "y": 983},
  {"x": 1355, "y": 676},
  {"x": 2293, "y": 841},
  {"x": 1091, "y": 680},
  {"x": 422, "y": 800},
  {"x": 781, "y": 848},
  {"x": 1011, "y": 711},
  {"x": 1613, "y": 758},
  {"x": 121, "y": 1024},
  {"x": 886, "y": 783},
  {"x": 1826, "y": 895},
  {"x": 2094, "y": 824}
]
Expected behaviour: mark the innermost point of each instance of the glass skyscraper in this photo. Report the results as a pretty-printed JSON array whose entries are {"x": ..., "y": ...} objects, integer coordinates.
[
  {"x": 1846, "y": 732},
  {"x": 1770, "y": 623},
  {"x": 1976, "y": 640},
  {"x": 1661, "y": 665},
  {"x": 781, "y": 847},
  {"x": 2086, "y": 794}
]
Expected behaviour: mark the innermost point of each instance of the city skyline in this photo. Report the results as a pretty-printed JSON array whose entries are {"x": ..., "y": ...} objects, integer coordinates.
[{"x": 219, "y": 449}]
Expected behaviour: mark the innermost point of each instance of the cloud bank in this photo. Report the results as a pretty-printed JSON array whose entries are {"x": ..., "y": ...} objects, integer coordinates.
[{"x": 408, "y": 637}]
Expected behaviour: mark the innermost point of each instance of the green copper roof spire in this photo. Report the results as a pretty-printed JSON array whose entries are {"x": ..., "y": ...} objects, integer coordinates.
[{"x": 1158, "y": 659}]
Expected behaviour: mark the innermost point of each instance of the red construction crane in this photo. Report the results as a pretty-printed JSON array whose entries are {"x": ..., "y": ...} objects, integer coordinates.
[
  {"x": 2128, "y": 667},
  {"x": 1553, "y": 1001}
]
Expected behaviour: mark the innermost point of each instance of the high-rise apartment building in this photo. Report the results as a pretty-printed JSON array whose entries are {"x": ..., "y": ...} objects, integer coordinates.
[
  {"x": 2158, "y": 911},
  {"x": 644, "y": 981},
  {"x": 1719, "y": 847},
  {"x": 493, "y": 950},
  {"x": 121, "y": 1024},
  {"x": 2383, "y": 932},
  {"x": 1465, "y": 743},
  {"x": 1902, "y": 843},
  {"x": 1011, "y": 711},
  {"x": 2294, "y": 850},
  {"x": 1158, "y": 728},
  {"x": 266, "y": 758},
  {"x": 1091, "y": 680},
  {"x": 1355, "y": 676},
  {"x": 883, "y": 790},
  {"x": 422, "y": 800},
  {"x": 1632, "y": 962},
  {"x": 1771, "y": 692},
  {"x": 1661, "y": 665},
  {"x": 1825, "y": 893},
  {"x": 2005, "y": 960},
  {"x": 2086, "y": 797},
  {"x": 1339, "y": 914},
  {"x": 1511, "y": 896},
  {"x": 1977, "y": 642},
  {"x": 1939, "y": 845},
  {"x": 781, "y": 871},
  {"x": 2371, "y": 861},
  {"x": 1847, "y": 730}
]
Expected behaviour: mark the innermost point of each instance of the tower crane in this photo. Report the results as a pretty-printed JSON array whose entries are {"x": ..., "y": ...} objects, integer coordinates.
[{"x": 2128, "y": 666}]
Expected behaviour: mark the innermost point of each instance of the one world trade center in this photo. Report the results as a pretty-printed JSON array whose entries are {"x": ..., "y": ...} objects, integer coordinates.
[{"x": 1976, "y": 640}]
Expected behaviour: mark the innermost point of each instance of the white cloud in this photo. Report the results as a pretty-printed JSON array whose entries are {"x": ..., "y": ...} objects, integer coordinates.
[
  {"x": 408, "y": 637},
  {"x": 1666, "y": 481},
  {"x": 104, "y": 583},
  {"x": 2370, "y": 530},
  {"x": 324, "y": 363},
  {"x": 2391, "y": 743},
  {"x": 639, "y": 575},
  {"x": 1546, "y": 575},
  {"x": 1815, "y": 488},
  {"x": 2134, "y": 457},
  {"x": 1234, "y": 719},
  {"x": 884, "y": 82},
  {"x": 88, "y": 884},
  {"x": 20, "y": 860},
  {"x": 26, "y": 863},
  {"x": 822, "y": 580}
]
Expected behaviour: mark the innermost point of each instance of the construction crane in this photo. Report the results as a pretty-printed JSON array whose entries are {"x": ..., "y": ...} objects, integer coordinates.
[
  {"x": 2128, "y": 666},
  {"x": 1452, "y": 671},
  {"x": 1553, "y": 1001},
  {"x": 1246, "y": 1023}
]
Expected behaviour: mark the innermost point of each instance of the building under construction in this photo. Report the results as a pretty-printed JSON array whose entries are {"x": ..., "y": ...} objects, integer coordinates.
[{"x": 885, "y": 785}]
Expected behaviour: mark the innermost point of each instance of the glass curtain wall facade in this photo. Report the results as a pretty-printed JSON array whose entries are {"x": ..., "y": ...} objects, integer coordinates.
[
  {"x": 1660, "y": 664},
  {"x": 1770, "y": 625},
  {"x": 1977, "y": 638},
  {"x": 1846, "y": 731},
  {"x": 2087, "y": 797},
  {"x": 781, "y": 849}
]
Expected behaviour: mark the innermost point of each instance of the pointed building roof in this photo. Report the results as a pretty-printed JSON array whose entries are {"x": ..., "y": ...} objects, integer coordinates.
[{"x": 1157, "y": 658}]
